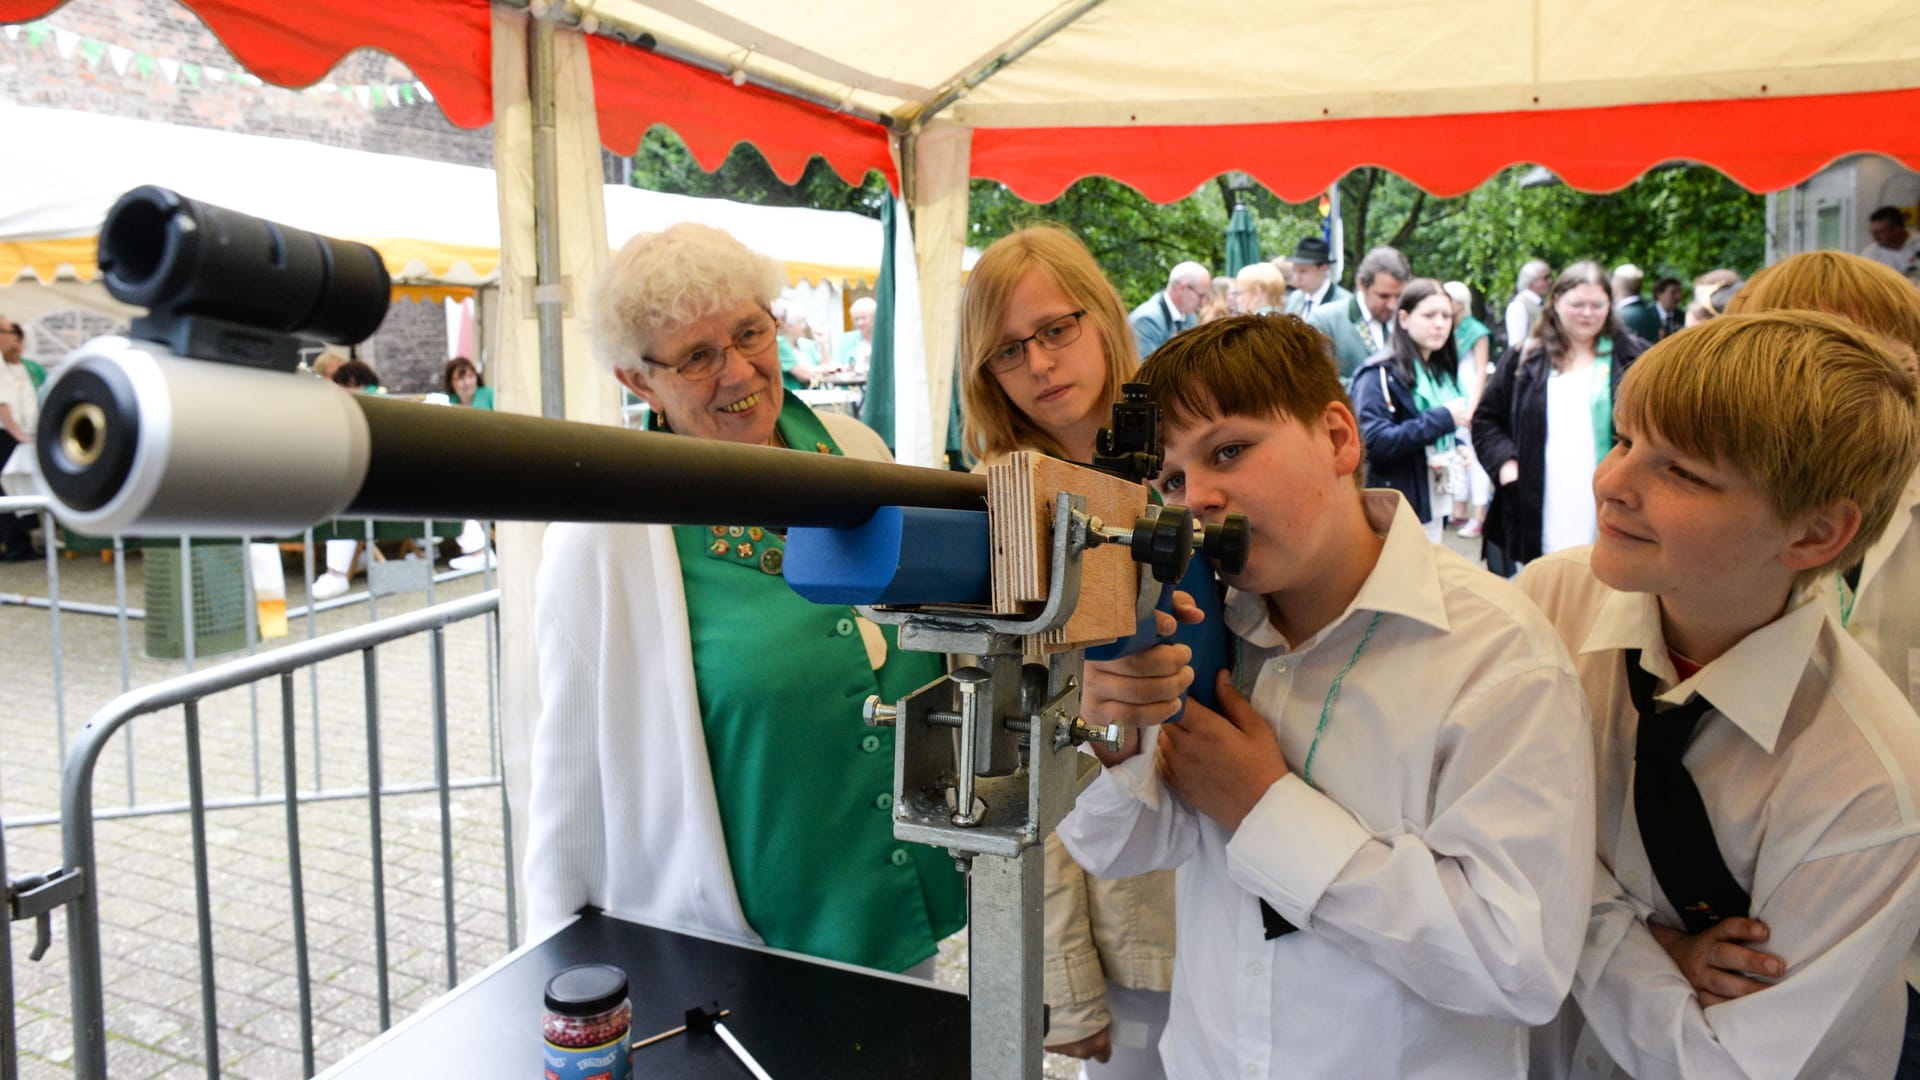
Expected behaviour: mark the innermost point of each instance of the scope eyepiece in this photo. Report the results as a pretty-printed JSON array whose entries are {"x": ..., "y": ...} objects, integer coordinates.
[{"x": 174, "y": 255}]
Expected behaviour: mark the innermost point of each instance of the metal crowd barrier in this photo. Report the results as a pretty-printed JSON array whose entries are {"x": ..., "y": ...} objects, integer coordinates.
[
  {"x": 124, "y": 614},
  {"x": 75, "y": 885}
]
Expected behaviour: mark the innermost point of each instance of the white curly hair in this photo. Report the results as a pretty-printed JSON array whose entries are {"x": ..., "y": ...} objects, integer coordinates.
[{"x": 659, "y": 282}]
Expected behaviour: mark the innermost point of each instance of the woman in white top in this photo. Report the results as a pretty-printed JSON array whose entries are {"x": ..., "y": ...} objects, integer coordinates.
[{"x": 1546, "y": 417}]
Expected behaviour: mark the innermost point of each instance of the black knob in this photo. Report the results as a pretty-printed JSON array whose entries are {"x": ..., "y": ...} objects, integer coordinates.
[
  {"x": 1228, "y": 543},
  {"x": 1164, "y": 541}
]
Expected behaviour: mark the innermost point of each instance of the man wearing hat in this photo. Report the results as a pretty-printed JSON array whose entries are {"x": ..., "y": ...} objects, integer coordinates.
[{"x": 1313, "y": 278}]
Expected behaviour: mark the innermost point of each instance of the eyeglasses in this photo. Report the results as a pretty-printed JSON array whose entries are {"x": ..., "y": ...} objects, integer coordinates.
[
  {"x": 703, "y": 362},
  {"x": 1057, "y": 334}
]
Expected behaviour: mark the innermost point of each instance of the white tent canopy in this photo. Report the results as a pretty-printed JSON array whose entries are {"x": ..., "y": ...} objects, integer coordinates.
[{"x": 1137, "y": 62}]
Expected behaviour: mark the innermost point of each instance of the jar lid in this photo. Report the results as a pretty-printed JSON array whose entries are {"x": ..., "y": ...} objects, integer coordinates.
[{"x": 586, "y": 990}]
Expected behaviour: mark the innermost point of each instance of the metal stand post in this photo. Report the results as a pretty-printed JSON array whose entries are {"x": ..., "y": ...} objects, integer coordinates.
[{"x": 1004, "y": 987}]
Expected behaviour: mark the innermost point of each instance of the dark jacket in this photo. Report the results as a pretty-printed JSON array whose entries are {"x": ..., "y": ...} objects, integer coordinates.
[
  {"x": 1510, "y": 424},
  {"x": 1398, "y": 434}
]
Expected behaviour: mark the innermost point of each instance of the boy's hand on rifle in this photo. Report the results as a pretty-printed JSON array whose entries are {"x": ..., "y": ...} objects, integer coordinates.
[
  {"x": 1716, "y": 961},
  {"x": 1143, "y": 689},
  {"x": 1221, "y": 764}
]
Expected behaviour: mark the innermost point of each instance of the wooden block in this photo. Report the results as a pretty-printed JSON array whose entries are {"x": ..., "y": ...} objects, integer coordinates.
[{"x": 1020, "y": 497}]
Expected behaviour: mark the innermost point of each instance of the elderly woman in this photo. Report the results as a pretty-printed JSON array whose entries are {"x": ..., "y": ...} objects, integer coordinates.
[{"x": 700, "y": 760}]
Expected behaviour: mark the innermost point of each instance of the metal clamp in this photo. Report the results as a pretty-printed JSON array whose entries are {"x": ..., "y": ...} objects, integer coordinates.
[{"x": 36, "y": 896}]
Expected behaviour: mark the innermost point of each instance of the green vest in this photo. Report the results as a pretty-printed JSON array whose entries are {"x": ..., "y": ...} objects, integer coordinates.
[{"x": 805, "y": 788}]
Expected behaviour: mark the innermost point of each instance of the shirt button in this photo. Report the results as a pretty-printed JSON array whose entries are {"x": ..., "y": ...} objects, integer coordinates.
[
  {"x": 843, "y": 627},
  {"x": 1631, "y": 878},
  {"x": 884, "y": 801},
  {"x": 899, "y": 857},
  {"x": 1251, "y": 1069},
  {"x": 1593, "y": 1063},
  {"x": 1253, "y": 968},
  {"x": 870, "y": 743}
]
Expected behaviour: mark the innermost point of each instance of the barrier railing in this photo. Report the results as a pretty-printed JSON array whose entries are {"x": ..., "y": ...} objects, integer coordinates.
[{"x": 77, "y": 884}]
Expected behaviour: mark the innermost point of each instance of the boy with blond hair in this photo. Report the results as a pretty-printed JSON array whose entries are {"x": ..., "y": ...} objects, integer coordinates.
[
  {"x": 1385, "y": 835},
  {"x": 1752, "y": 760}
]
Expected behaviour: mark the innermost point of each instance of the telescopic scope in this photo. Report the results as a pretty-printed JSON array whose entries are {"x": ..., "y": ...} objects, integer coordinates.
[{"x": 178, "y": 256}]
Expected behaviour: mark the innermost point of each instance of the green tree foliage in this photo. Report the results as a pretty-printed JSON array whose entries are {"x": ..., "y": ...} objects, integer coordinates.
[
  {"x": 663, "y": 163},
  {"x": 1677, "y": 220},
  {"x": 1680, "y": 221}
]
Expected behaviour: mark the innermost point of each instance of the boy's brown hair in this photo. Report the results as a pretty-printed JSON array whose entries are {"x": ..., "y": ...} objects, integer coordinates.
[{"x": 1811, "y": 406}]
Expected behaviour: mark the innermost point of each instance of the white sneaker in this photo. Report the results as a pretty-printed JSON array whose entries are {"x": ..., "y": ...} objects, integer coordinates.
[
  {"x": 482, "y": 558},
  {"x": 329, "y": 585}
]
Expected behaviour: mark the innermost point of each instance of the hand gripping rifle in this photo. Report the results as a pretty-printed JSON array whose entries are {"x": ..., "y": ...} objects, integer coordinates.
[{"x": 1023, "y": 569}]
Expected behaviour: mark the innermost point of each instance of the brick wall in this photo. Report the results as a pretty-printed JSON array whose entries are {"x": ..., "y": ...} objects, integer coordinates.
[{"x": 411, "y": 344}]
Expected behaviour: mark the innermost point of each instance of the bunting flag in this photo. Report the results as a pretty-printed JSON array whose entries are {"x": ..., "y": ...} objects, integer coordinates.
[{"x": 91, "y": 51}]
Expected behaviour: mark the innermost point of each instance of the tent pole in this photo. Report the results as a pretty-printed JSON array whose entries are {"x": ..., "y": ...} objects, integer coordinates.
[
  {"x": 1019, "y": 47},
  {"x": 549, "y": 299}
]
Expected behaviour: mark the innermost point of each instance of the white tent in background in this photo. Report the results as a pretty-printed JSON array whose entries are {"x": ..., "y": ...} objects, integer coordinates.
[{"x": 436, "y": 224}]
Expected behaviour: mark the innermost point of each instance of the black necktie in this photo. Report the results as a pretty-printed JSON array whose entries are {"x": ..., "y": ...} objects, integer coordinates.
[{"x": 1674, "y": 825}]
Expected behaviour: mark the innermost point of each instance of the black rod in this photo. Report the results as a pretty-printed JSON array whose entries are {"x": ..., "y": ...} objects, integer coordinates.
[{"x": 430, "y": 461}]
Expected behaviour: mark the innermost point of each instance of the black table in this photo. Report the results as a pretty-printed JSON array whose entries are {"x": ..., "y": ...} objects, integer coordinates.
[{"x": 798, "y": 1017}]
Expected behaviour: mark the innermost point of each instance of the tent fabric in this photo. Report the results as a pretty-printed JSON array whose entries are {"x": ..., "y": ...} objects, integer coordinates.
[
  {"x": 1764, "y": 144},
  {"x": 1767, "y": 91},
  {"x": 634, "y": 90}
]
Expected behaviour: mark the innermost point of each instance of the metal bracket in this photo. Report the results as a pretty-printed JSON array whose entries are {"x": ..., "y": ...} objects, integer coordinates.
[{"x": 37, "y": 896}]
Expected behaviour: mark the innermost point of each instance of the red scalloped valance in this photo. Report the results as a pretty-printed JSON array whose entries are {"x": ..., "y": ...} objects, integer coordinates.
[
  {"x": 635, "y": 89},
  {"x": 447, "y": 44},
  {"x": 1764, "y": 144}
]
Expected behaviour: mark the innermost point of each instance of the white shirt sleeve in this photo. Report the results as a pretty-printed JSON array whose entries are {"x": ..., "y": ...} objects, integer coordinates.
[
  {"x": 1483, "y": 912},
  {"x": 1841, "y": 922},
  {"x": 1127, "y": 823},
  {"x": 1516, "y": 322}
]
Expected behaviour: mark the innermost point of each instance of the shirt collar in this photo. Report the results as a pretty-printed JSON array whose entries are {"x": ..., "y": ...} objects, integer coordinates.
[
  {"x": 1749, "y": 684},
  {"x": 1404, "y": 581}
]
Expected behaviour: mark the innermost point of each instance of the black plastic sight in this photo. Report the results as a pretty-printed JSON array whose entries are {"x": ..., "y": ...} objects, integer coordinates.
[{"x": 176, "y": 256}]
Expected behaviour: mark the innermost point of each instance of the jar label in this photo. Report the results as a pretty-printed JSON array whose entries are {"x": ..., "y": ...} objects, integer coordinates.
[{"x": 608, "y": 1061}]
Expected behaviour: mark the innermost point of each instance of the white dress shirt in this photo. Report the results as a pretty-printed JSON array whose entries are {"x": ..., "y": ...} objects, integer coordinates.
[
  {"x": 1885, "y": 618},
  {"x": 1807, "y": 766},
  {"x": 1438, "y": 869}
]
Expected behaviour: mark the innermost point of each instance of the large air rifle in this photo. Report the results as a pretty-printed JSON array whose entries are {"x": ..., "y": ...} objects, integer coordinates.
[{"x": 1025, "y": 568}]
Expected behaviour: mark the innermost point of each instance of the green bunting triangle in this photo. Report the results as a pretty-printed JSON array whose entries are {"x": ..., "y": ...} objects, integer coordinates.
[
  {"x": 91, "y": 51},
  {"x": 192, "y": 73},
  {"x": 143, "y": 64},
  {"x": 406, "y": 93},
  {"x": 37, "y": 33},
  {"x": 379, "y": 97}
]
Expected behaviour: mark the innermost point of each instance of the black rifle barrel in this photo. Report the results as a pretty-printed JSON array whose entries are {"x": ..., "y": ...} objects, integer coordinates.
[
  {"x": 135, "y": 441},
  {"x": 439, "y": 462}
]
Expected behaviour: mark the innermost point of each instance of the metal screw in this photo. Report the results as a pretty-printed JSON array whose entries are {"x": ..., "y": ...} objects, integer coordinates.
[{"x": 877, "y": 713}]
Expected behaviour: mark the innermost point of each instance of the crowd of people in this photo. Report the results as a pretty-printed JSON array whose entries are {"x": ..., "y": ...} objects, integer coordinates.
[
  {"x": 1647, "y": 809},
  {"x": 1644, "y": 811}
]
